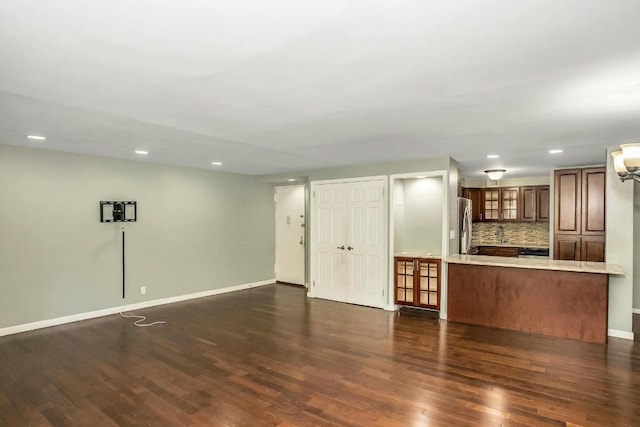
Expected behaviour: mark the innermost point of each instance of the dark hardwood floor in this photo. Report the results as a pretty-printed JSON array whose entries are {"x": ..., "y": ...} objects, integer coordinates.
[{"x": 269, "y": 356}]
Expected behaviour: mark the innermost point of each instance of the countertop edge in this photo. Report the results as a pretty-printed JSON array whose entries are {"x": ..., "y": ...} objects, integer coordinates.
[{"x": 554, "y": 265}]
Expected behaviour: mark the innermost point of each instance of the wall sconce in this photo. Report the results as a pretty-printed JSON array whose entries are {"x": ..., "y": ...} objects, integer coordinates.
[
  {"x": 627, "y": 162},
  {"x": 495, "y": 174}
]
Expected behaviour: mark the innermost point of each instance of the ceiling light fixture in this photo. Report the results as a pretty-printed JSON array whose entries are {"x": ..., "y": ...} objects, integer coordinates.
[
  {"x": 495, "y": 174},
  {"x": 492, "y": 156},
  {"x": 216, "y": 163},
  {"x": 557, "y": 151},
  {"x": 421, "y": 176},
  {"x": 36, "y": 137},
  {"x": 291, "y": 179},
  {"x": 142, "y": 152},
  {"x": 627, "y": 162}
]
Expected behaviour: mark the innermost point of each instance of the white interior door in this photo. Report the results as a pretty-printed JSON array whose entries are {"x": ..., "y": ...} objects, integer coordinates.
[
  {"x": 365, "y": 250},
  {"x": 329, "y": 244},
  {"x": 349, "y": 232},
  {"x": 290, "y": 224}
]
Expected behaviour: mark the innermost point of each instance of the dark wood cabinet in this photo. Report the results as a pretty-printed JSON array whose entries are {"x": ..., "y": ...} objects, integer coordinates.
[
  {"x": 593, "y": 199},
  {"x": 509, "y": 251},
  {"x": 567, "y": 247},
  {"x": 568, "y": 201},
  {"x": 528, "y": 203},
  {"x": 534, "y": 203},
  {"x": 579, "y": 223},
  {"x": 417, "y": 282},
  {"x": 543, "y": 199},
  {"x": 592, "y": 248},
  {"x": 475, "y": 195},
  {"x": 501, "y": 204}
]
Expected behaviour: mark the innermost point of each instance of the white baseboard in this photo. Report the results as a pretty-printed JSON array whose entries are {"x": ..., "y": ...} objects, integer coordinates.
[
  {"x": 635, "y": 310},
  {"x": 137, "y": 306},
  {"x": 620, "y": 334}
]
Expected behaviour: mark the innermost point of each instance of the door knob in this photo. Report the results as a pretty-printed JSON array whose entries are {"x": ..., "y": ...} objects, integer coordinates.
[
  {"x": 340, "y": 247},
  {"x": 349, "y": 248}
]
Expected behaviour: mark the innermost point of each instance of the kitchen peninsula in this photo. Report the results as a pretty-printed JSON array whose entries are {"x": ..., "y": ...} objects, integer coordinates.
[{"x": 567, "y": 299}]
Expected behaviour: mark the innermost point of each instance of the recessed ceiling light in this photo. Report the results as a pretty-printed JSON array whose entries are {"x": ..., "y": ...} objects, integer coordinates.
[
  {"x": 492, "y": 156},
  {"x": 142, "y": 152},
  {"x": 555, "y": 151},
  {"x": 36, "y": 137},
  {"x": 216, "y": 163},
  {"x": 291, "y": 179}
]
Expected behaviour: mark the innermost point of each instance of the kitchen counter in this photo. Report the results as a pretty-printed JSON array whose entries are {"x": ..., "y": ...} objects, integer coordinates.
[
  {"x": 417, "y": 255},
  {"x": 539, "y": 264},
  {"x": 566, "y": 299}
]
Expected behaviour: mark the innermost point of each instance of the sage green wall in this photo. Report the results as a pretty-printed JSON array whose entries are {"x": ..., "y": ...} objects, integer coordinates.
[
  {"x": 422, "y": 215},
  {"x": 197, "y": 230},
  {"x": 619, "y": 247},
  {"x": 636, "y": 245}
]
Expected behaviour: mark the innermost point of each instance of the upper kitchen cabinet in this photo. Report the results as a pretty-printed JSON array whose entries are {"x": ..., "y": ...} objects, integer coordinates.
[
  {"x": 534, "y": 203},
  {"x": 580, "y": 212},
  {"x": 543, "y": 200},
  {"x": 501, "y": 204},
  {"x": 475, "y": 195}
]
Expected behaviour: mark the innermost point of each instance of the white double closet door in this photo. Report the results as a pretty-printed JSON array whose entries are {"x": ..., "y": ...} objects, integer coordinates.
[{"x": 348, "y": 237}]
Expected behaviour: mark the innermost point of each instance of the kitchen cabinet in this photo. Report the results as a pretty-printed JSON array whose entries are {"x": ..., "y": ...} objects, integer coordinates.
[
  {"x": 475, "y": 195},
  {"x": 501, "y": 203},
  {"x": 543, "y": 199},
  {"x": 417, "y": 282},
  {"x": 534, "y": 203},
  {"x": 529, "y": 203},
  {"x": 509, "y": 251},
  {"x": 579, "y": 222},
  {"x": 579, "y": 248}
]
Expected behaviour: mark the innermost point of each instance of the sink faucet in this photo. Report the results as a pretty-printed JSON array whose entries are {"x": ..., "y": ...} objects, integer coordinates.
[{"x": 500, "y": 234}]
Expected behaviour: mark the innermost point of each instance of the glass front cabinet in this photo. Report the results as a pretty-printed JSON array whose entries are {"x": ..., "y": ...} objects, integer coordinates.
[{"x": 417, "y": 282}]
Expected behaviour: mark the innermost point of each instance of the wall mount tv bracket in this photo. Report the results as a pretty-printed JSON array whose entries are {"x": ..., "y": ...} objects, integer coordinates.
[{"x": 117, "y": 211}]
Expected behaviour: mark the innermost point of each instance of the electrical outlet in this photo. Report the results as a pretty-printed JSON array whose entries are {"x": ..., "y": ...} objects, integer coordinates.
[{"x": 143, "y": 290}]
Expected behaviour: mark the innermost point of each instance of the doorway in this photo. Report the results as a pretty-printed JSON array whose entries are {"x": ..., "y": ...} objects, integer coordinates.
[
  {"x": 348, "y": 255},
  {"x": 290, "y": 235}
]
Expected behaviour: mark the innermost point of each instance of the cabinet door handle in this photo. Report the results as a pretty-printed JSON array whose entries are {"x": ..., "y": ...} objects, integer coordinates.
[
  {"x": 349, "y": 248},
  {"x": 340, "y": 247}
]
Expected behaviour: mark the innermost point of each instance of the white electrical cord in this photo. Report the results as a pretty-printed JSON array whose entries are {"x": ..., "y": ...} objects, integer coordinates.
[{"x": 141, "y": 319}]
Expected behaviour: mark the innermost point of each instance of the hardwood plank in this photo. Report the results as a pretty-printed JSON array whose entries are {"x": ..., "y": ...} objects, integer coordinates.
[{"x": 270, "y": 356}]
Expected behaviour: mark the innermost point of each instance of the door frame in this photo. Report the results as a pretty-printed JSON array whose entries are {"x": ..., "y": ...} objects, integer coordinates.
[
  {"x": 312, "y": 228},
  {"x": 444, "y": 174},
  {"x": 304, "y": 234}
]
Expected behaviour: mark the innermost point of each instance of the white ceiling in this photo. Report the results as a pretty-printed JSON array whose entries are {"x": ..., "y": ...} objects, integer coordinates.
[{"x": 290, "y": 85}]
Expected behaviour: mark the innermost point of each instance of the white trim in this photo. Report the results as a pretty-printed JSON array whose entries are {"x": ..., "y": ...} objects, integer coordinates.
[
  {"x": 627, "y": 335},
  {"x": 635, "y": 310},
  {"x": 137, "y": 306},
  {"x": 341, "y": 180}
]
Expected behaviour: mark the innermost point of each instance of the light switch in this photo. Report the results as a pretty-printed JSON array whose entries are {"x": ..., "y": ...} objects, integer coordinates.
[{"x": 452, "y": 234}]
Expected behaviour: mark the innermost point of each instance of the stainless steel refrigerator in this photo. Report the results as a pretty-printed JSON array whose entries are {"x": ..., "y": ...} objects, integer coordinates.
[{"x": 464, "y": 224}]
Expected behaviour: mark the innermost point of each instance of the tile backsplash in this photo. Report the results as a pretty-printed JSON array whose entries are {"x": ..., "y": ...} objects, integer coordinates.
[{"x": 534, "y": 233}]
